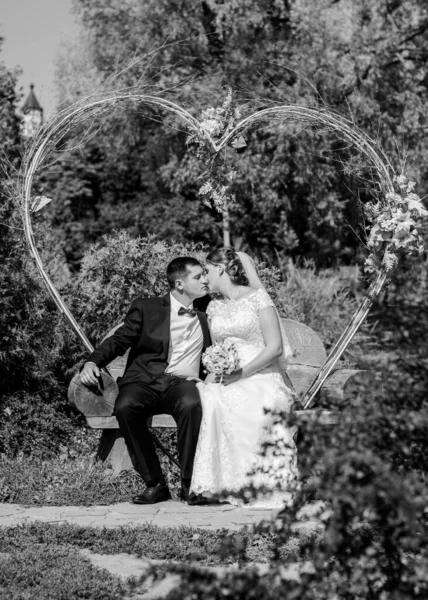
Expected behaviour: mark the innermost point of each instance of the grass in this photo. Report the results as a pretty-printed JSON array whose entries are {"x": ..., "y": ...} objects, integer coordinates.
[
  {"x": 43, "y": 561},
  {"x": 78, "y": 481},
  {"x": 48, "y": 571},
  {"x": 182, "y": 544},
  {"x": 82, "y": 481}
]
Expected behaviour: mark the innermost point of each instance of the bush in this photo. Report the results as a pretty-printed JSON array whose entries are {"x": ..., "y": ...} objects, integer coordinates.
[
  {"x": 37, "y": 425},
  {"x": 33, "y": 408},
  {"x": 325, "y": 299}
]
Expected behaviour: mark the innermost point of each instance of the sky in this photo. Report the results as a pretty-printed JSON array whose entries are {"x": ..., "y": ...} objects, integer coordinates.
[{"x": 32, "y": 31}]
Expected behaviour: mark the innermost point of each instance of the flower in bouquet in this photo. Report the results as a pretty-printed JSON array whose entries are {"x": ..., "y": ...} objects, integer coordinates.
[{"x": 221, "y": 358}]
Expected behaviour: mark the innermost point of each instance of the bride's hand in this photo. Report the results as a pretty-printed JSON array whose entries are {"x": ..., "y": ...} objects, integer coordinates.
[
  {"x": 210, "y": 378},
  {"x": 232, "y": 377}
]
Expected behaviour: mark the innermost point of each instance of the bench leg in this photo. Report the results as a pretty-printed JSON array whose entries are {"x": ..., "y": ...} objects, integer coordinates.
[{"x": 112, "y": 448}]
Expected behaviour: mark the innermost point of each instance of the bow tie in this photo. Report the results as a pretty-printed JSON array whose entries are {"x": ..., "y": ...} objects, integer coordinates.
[{"x": 187, "y": 311}]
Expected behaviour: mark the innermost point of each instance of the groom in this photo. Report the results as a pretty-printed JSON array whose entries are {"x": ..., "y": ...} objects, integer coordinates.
[{"x": 166, "y": 337}]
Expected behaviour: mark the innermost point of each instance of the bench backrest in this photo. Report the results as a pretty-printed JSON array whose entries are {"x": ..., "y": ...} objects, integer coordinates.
[{"x": 309, "y": 354}]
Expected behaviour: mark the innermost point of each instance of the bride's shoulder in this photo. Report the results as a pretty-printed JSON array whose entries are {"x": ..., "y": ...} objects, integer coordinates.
[{"x": 261, "y": 298}]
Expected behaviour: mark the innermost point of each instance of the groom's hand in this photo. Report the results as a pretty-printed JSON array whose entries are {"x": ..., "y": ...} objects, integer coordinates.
[
  {"x": 232, "y": 377},
  {"x": 89, "y": 374}
]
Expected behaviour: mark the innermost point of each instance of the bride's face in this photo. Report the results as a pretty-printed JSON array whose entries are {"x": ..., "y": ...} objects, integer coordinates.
[{"x": 213, "y": 276}]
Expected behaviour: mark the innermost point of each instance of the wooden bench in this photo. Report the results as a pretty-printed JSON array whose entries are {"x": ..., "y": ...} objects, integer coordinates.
[{"x": 309, "y": 356}]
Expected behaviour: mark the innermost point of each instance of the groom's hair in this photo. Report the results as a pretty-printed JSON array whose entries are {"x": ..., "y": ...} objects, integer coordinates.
[{"x": 177, "y": 268}]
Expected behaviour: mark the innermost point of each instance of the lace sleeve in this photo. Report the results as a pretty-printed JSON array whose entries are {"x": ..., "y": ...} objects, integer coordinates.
[
  {"x": 262, "y": 299},
  {"x": 211, "y": 309}
]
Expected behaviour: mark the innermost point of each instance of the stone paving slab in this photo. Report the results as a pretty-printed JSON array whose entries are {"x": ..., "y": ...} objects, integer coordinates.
[
  {"x": 163, "y": 514},
  {"x": 130, "y": 565}
]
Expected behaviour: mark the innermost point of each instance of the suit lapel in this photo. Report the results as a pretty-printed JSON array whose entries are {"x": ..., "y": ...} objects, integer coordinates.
[
  {"x": 166, "y": 322},
  {"x": 205, "y": 330}
]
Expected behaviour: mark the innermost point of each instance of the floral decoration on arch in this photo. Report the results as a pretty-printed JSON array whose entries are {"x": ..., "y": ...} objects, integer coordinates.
[
  {"x": 215, "y": 124},
  {"x": 395, "y": 222},
  {"x": 395, "y": 227}
]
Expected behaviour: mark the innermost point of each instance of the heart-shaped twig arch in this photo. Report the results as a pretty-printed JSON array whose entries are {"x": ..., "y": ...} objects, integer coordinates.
[{"x": 60, "y": 125}]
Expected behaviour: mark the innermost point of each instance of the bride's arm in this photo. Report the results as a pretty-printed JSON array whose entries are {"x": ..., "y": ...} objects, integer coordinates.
[
  {"x": 271, "y": 332},
  {"x": 210, "y": 378}
]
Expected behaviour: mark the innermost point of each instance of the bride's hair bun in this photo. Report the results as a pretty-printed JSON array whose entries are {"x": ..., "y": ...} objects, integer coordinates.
[{"x": 232, "y": 264}]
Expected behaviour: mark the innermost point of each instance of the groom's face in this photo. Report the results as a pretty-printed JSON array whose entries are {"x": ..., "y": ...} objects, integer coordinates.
[
  {"x": 213, "y": 276},
  {"x": 194, "y": 284}
]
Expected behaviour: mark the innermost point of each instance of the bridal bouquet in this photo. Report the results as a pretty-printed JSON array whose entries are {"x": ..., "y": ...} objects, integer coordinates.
[{"x": 221, "y": 358}]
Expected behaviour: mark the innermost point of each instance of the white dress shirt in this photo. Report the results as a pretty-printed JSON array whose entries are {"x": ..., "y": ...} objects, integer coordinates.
[{"x": 185, "y": 344}]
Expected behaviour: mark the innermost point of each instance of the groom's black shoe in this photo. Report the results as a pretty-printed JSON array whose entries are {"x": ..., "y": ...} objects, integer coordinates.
[{"x": 153, "y": 494}]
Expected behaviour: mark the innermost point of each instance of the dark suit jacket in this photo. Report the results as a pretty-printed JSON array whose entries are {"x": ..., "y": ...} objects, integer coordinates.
[{"x": 146, "y": 331}]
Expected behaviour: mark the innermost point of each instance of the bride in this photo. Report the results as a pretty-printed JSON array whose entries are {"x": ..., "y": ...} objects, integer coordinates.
[{"x": 235, "y": 423}]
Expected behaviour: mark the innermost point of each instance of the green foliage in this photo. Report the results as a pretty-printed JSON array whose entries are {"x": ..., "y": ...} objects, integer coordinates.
[
  {"x": 13, "y": 282},
  {"x": 294, "y": 195},
  {"x": 28, "y": 359},
  {"x": 37, "y": 424}
]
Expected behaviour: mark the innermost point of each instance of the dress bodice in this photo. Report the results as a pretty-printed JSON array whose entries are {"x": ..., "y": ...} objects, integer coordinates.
[{"x": 238, "y": 320}]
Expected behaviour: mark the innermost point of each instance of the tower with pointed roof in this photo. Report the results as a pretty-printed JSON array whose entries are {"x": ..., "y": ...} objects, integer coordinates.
[{"x": 32, "y": 113}]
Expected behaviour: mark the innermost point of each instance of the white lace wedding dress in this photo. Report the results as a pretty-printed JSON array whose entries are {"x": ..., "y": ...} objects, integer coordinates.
[{"x": 234, "y": 424}]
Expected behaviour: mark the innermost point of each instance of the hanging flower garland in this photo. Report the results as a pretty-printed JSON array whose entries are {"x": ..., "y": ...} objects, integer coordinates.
[{"x": 215, "y": 125}]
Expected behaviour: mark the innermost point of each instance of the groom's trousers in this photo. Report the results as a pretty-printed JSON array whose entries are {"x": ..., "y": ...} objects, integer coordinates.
[{"x": 166, "y": 394}]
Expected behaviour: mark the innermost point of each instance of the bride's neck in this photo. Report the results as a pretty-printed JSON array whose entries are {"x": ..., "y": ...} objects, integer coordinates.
[{"x": 231, "y": 291}]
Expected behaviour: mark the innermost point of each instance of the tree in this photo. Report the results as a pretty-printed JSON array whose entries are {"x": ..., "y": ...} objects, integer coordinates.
[
  {"x": 293, "y": 194},
  {"x": 13, "y": 278}
]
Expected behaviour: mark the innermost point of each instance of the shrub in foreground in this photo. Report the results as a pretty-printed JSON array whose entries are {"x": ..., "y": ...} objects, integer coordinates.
[{"x": 369, "y": 476}]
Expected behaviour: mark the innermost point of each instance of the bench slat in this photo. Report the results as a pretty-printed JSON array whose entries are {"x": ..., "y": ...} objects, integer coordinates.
[
  {"x": 324, "y": 417},
  {"x": 343, "y": 383},
  {"x": 111, "y": 422}
]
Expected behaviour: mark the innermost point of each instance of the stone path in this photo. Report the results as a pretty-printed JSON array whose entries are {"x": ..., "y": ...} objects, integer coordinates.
[{"x": 163, "y": 514}]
